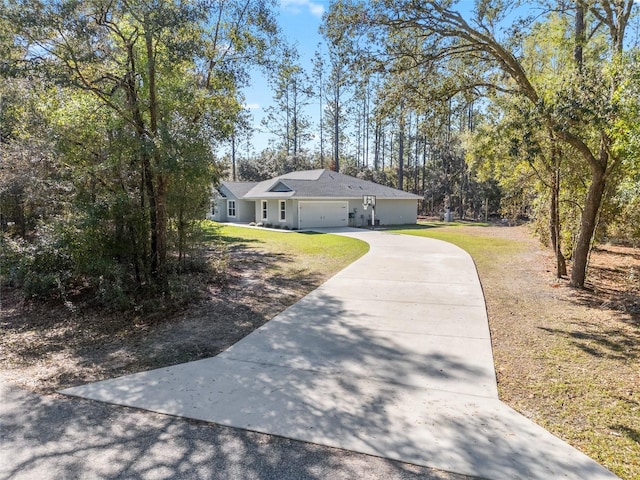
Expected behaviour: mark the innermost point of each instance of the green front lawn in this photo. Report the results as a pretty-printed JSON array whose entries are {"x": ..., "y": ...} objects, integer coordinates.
[
  {"x": 321, "y": 254},
  {"x": 485, "y": 250}
]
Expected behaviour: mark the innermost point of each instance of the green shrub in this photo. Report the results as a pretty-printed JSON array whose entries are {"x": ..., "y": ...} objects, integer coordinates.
[
  {"x": 78, "y": 265},
  {"x": 41, "y": 268}
]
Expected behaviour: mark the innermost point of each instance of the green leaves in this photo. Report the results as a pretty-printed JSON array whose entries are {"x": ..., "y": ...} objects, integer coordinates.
[
  {"x": 558, "y": 80},
  {"x": 138, "y": 97}
]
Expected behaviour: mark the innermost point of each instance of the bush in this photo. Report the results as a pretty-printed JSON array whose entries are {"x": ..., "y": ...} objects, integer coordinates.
[
  {"x": 70, "y": 264},
  {"x": 58, "y": 263},
  {"x": 41, "y": 268},
  {"x": 625, "y": 227}
]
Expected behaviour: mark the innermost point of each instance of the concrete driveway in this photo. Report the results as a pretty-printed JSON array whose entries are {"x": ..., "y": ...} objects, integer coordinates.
[{"x": 390, "y": 357}]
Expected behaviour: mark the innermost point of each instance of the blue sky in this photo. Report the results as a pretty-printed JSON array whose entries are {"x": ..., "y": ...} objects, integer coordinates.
[{"x": 299, "y": 20}]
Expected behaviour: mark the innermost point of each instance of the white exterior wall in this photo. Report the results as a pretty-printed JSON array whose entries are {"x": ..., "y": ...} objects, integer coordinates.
[
  {"x": 292, "y": 214},
  {"x": 322, "y": 213},
  {"x": 244, "y": 212},
  {"x": 361, "y": 215},
  {"x": 388, "y": 212},
  {"x": 397, "y": 212}
]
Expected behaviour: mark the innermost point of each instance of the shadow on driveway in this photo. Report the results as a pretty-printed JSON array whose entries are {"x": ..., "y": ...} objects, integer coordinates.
[{"x": 55, "y": 437}]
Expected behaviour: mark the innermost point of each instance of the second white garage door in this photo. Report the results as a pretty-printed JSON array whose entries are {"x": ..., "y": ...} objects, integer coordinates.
[{"x": 323, "y": 214}]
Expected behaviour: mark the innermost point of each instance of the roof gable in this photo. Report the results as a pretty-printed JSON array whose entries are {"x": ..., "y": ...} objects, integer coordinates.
[{"x": 280, "y": 187}]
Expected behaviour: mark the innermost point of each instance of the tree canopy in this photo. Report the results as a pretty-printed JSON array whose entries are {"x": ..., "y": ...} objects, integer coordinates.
[
  {"x": 127, "y": 104},
  {"x": 565, "y": 70}
]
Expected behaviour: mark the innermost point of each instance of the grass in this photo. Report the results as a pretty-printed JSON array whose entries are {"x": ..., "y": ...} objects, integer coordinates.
[
  {"x": 322, "y": 254},
  {"x": 484, "y": 250}
]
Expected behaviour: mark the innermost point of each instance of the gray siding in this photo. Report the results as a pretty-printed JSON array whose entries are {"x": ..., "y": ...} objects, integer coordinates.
[
  {"x": 273, "y": 213},
  {"x": 220, "y": 210},
  {"x": 360, "y": 214},
  {"x": 397, "y": 212},
  {"x": 245, "y": 211},
  {"x": 388, "y": 212}
]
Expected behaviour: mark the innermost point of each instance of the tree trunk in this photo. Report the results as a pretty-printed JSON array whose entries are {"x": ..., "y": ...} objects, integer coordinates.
[
  {"x": 135, "y": 254},
  {"x": 321, "y": 98},
  {"x": 153, "y": 217},
  {"x": 366, "y": 126},
  {"x": 336, "y": 129},
  {"x": 181, "y": 235},
  {"x": 161, "y": 231},
  {"x": 382, "y": 150},
  {"x": 159, "y": 227},
  {"x": 415, "y": 159},
  {"x": 401, "y": 152},
  {"x": 424, "y": 168},
  {"x": 287, "y": 141},
  {"x": 554, "y": 226},
  {"x": 553, "y": 168},
  {"x": 579, "y": 32},
  {"x": 233, "y": 157},
  {"x": 376, "y": 147},
  {"x": 588, "y": 223},
  {"x": 144, "y": 244},
  {"x": 295, "y": 123}
]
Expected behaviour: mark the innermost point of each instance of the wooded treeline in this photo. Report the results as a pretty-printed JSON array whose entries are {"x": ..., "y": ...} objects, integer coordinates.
[
  {"x": 111, "y": 113},
  {"x": 114, "y": 116},
  {"x": 529, "y": 109},
  {"x": 558, "y": 86}
]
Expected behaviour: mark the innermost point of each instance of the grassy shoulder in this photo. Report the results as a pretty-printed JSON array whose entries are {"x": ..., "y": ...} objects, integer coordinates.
[
  {"x": 567, "y": 359},
  {"x": 485, "y": 250}
]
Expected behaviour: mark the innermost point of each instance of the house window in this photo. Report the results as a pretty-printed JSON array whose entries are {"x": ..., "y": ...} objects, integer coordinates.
[
  {"x": 265, "y": 211},
  {"x": 231, "y": 208},
  {"x": 283, "y": 210}
]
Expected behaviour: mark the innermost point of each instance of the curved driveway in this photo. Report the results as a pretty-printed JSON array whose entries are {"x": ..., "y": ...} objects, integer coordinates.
[{"x": 390, "y": 357}]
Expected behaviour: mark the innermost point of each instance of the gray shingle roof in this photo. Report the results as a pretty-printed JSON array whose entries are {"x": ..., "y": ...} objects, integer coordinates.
[
  {"x": 323, "y": 184},
  {"x": 239, "y": 189}
]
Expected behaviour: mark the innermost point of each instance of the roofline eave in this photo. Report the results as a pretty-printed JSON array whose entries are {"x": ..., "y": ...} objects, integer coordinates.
[{"x": 320, "y": 198}]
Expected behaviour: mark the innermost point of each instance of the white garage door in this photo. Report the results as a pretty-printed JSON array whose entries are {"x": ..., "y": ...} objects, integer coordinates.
[{"x": 323, "y": 214}]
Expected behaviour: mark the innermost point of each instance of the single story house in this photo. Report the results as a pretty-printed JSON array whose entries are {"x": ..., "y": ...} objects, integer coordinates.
[{"x": 311, "y": 199}]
